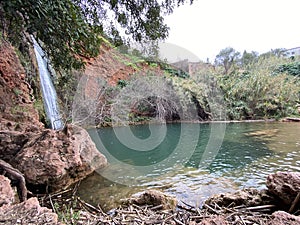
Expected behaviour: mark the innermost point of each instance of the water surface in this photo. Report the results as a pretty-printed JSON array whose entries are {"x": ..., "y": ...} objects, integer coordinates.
[{"x": 190, "y": 161}]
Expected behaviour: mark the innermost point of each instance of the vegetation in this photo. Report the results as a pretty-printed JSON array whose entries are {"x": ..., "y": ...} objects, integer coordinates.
[
  {"x": 255, "y": 87},
  {"x": 264, "y": 88},
  {"x": 227, "y": 58},
  {"x": 71, "y": 30},
  {"x": 291, "y": 68}
]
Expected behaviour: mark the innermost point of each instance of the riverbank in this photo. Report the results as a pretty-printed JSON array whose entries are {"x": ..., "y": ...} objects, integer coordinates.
[{"x": 247, "y": 206}]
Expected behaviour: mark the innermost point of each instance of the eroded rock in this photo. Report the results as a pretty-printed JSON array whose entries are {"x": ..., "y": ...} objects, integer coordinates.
[
  {"x": 28, "y": 212},
  {"x": 246, "y": 197},
  {"x": 7, "y": 195},
  {"x": 284, "y": 185},
  {"x": 155, "y": 198},
  {"x": 56, "y": 159}
]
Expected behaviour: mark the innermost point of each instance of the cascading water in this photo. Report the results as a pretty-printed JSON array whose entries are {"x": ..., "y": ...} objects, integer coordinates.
[{"x": 48, "y": 90}]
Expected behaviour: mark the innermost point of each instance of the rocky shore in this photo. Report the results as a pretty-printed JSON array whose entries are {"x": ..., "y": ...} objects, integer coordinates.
[{"x": 276, "y": 205}]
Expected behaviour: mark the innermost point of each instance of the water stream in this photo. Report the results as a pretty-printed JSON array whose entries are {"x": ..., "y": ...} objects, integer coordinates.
[
  {"x": 48, "y": 90},
  {"x": 249, "y": 152}
]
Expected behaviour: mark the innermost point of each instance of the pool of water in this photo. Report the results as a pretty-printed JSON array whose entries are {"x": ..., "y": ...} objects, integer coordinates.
[{"x": 190, "y": 161}]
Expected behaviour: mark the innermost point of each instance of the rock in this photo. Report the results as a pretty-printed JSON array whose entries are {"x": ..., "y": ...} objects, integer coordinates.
[
  {"x": 247, "y": 197},
  {"x": 284, "y": 185},
  {"x": 154, "y": 198},
  {"x": 11, "y": 143},
  {"x": 7, "y": 195},
  {"x": 53, "y": 160},
  {"x": 281, "y": 217},
  {"x": 28, "y": 212}
]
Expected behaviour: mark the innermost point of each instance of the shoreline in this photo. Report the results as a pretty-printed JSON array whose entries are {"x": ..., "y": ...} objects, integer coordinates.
[
  {"x": 186, "y": 122},
  {"x": 262, "y": 207}
]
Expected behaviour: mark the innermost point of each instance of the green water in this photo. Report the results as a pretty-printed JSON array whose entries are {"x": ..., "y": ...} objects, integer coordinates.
[{"x": 191, "y": 161}]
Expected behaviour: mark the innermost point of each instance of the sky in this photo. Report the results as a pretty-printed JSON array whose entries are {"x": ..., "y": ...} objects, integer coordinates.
[{"x": 199, "y": 31}]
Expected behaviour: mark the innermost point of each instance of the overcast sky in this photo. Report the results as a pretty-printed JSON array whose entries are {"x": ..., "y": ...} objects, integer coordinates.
[{"x": 207, "y": 26}]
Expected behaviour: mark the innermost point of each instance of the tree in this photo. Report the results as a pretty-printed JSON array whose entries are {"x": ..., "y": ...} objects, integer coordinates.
[
  {"x": 71, "y": 30},
  {"x": 249, "y": 58},
  {"x": 227, "y": 58},
  {"x": 278, "y": 52}
]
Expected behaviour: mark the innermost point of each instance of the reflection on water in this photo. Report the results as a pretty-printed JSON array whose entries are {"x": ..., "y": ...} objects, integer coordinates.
[{"x": 249, "y": 152}]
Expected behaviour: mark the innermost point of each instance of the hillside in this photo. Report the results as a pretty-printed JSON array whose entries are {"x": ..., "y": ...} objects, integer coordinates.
[{"x": 154, "y": 90}]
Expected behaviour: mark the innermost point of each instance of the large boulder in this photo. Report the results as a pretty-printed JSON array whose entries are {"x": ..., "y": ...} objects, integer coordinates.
[
  {"x": 53, "y": 160},
  {"x": 284, "y": 185}
]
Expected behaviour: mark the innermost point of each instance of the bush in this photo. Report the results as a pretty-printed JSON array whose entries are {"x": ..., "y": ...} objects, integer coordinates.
[{"x": 257, "y": 93}]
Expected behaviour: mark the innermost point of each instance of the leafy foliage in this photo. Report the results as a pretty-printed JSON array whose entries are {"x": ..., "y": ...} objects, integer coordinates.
[
  {"x": 292, "y": 68},
  {"x": 71, "y": 30},
  {"x": 60, "y": 25}
]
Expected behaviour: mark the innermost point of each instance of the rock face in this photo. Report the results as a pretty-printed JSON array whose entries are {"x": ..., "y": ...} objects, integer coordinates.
[
  {"x": 7, "y": 195},
  {"x": 112, "y": 66},
  {"x": 284, "y": 185},
  {"x": 16, "y": 99}
]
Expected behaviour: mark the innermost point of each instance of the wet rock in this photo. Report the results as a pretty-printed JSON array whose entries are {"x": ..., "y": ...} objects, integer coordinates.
[
  {"x": 281, "y": 217},
  {"x": 284, "y": 185},
  {"x": 53, "y": 160},
  {"x": 247, "y": 197},
  {"x": 155, "y": 198},
  {"x": 7, "y": 195},
  {"x": 28, "y": 212}
]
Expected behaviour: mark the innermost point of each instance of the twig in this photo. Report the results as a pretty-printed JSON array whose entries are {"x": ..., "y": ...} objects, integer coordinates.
[
  {"x": 50, "y": 199},
  {"x": 156, "y": 207},
  {"x": 187, "y": 204},
  {"x": 58, "y": 193},
  {"x": 89, "y": 205},
  {"x": 210, "y": 208},
  {"x": 177, "y": 221},
  {"x": 242, "y": 220},
  {"x": 260, "y": 207},
  {"x": 295, "y": 202}
]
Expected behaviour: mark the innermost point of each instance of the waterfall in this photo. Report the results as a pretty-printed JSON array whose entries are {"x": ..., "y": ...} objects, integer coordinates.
[{"x": 48, "y": 90}]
